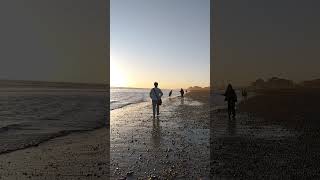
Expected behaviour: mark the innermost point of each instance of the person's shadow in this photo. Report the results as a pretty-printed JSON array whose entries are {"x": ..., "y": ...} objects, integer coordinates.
[
  {"x": 232, "y": 125},
  {"x": 182, "y": 100},
  {"x": 156, "y": 132}
]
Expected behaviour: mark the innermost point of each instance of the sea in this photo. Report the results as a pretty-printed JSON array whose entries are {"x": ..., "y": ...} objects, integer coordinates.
[
  {"x": 37, "y": 112},
  {"x": 29, "y": 116},
  {"x": 120, "y": 97}
]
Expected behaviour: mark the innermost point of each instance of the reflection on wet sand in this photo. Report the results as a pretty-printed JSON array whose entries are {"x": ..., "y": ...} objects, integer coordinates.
[
  {"x": 275, "y": 136},
  {"x": 231, "y": 129},
  {"x": 182, "y": 101},
  {"x": 174, "y": 145},
  {"x": 156, "y": 133}
]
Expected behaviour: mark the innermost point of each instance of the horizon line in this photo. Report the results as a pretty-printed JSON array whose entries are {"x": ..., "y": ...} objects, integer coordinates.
[
  {"x": 65, "y": 82},
  {"x": 152, "y": 87}
]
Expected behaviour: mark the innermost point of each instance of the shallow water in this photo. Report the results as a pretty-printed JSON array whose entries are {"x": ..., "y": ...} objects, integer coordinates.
[
  {"x": 120, "y": 97},
  {"x": 30, "y": 117}
]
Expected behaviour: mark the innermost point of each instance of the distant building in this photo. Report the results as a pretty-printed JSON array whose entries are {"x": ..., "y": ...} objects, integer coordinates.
[
  {"x": 272, "y": 83},
  {"x": 197, "y": 88},
  {"x": 259, "y": 83},
  {"x": 312, "y": 83},
  {"x": 275, "y": 82}
]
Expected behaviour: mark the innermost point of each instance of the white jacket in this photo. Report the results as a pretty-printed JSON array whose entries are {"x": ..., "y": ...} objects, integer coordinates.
[{"x": 154, "y": 92}]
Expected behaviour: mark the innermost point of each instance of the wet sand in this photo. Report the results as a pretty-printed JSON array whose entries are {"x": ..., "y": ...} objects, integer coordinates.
[
  {"x": 255, "y": 145},
  {"x": 76, "y": 156},
  {"x": 173, "y": 146},
  {"x": 275, "y": 136},
  {"x": 29, "y": 118}
]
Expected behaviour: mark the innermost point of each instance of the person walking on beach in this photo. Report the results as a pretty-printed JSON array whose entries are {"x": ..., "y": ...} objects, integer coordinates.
[
  {"x": 244, "y": 94},
  {"x": 231, "y": 98},
  {"x": 155, "y": 95},
  {"x": 170, "y": 93},
  {"x": 182, "y": 92}
]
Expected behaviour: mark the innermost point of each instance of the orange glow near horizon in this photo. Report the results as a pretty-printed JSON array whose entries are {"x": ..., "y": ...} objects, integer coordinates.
[
  {"x": 140, "y": 76},
  {"x": 119, "y": 79}
]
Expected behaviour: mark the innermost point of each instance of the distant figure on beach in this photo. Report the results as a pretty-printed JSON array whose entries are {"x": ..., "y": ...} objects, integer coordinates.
[
  {"x": 182, "y": 92},
  {"x": 231, "y": 98},
  {"x": 244, "y": 94},
  {"x": 170, "y": 93},
  {"x": 155, "y": 95}
]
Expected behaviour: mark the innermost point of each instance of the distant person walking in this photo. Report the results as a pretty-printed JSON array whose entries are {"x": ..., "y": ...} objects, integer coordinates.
[
  {"x": 155, "y": 95},
  {"x": 231, "y": 98},
  {"x": 182, "y": 92},
  {"x": 244, "y": 94},
  {"x": 170, "y": 93}
]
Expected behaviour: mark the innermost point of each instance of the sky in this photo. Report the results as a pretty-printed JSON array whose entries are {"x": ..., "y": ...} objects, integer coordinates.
[
  {"x": 54, "y": 40},
  {"x": 266, "y": 38},
  {"x": 167, "y": 41}
]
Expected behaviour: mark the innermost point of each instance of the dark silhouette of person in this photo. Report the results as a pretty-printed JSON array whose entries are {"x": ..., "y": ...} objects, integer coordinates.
[
  {"x": 231, "y": 129},
  {"x": 182, "y": 92},
  {"x": 170, "y": 93},
  {"x": 244, "y": 94},
  {"x": 155, "y": 95},
  {"x": 231, "y": 98}
]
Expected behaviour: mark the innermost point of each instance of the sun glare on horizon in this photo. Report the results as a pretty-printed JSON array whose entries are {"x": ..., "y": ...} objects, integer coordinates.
[{"x": 117, "y": 76}]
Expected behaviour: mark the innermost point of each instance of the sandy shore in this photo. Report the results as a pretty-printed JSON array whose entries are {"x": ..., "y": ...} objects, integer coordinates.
[
  {"x": 76, "y": 156},
  {"x": 275, "y": 136},
  {"x": 175, "y": 145}
]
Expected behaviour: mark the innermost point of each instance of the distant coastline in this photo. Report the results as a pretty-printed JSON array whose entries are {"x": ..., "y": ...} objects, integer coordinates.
[
  {"x": 47, "y": 84},
  {"x": 142, "y": 88},
  {"x": 113, "y": 87}
]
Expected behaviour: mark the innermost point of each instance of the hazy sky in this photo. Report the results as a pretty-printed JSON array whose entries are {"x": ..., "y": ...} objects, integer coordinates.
[
  {"x": 265, "y": 38},
  {"x": 160, "y": 40},
  {"x": 54, "y": 40}
]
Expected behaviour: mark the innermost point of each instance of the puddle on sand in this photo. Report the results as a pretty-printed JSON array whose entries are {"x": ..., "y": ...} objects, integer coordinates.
[{"x": 183, "y": 101}]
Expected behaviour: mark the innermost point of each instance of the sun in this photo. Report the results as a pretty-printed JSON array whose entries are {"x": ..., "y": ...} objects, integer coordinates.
[{"x": 117, "y": 76}]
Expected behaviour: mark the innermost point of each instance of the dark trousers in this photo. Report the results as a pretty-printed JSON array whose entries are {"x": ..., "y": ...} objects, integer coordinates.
[
  {"x": 231, "y": 108},
  {"x": 154, "y": 106}
]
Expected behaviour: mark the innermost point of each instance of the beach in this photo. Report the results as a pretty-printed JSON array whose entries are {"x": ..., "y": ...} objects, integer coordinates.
[
  {"x": 174, "y": 146},
  {"x": 32, "y": 116},
  {"x": 185, "y": 142},
  {"x": 274, "y": 136},
  {"x": 75, "y": 156},
  {"x": 45, "y": 129}
]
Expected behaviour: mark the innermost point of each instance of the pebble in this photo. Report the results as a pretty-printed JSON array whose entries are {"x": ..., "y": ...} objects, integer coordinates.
[{"x": 130, "y": 173}]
